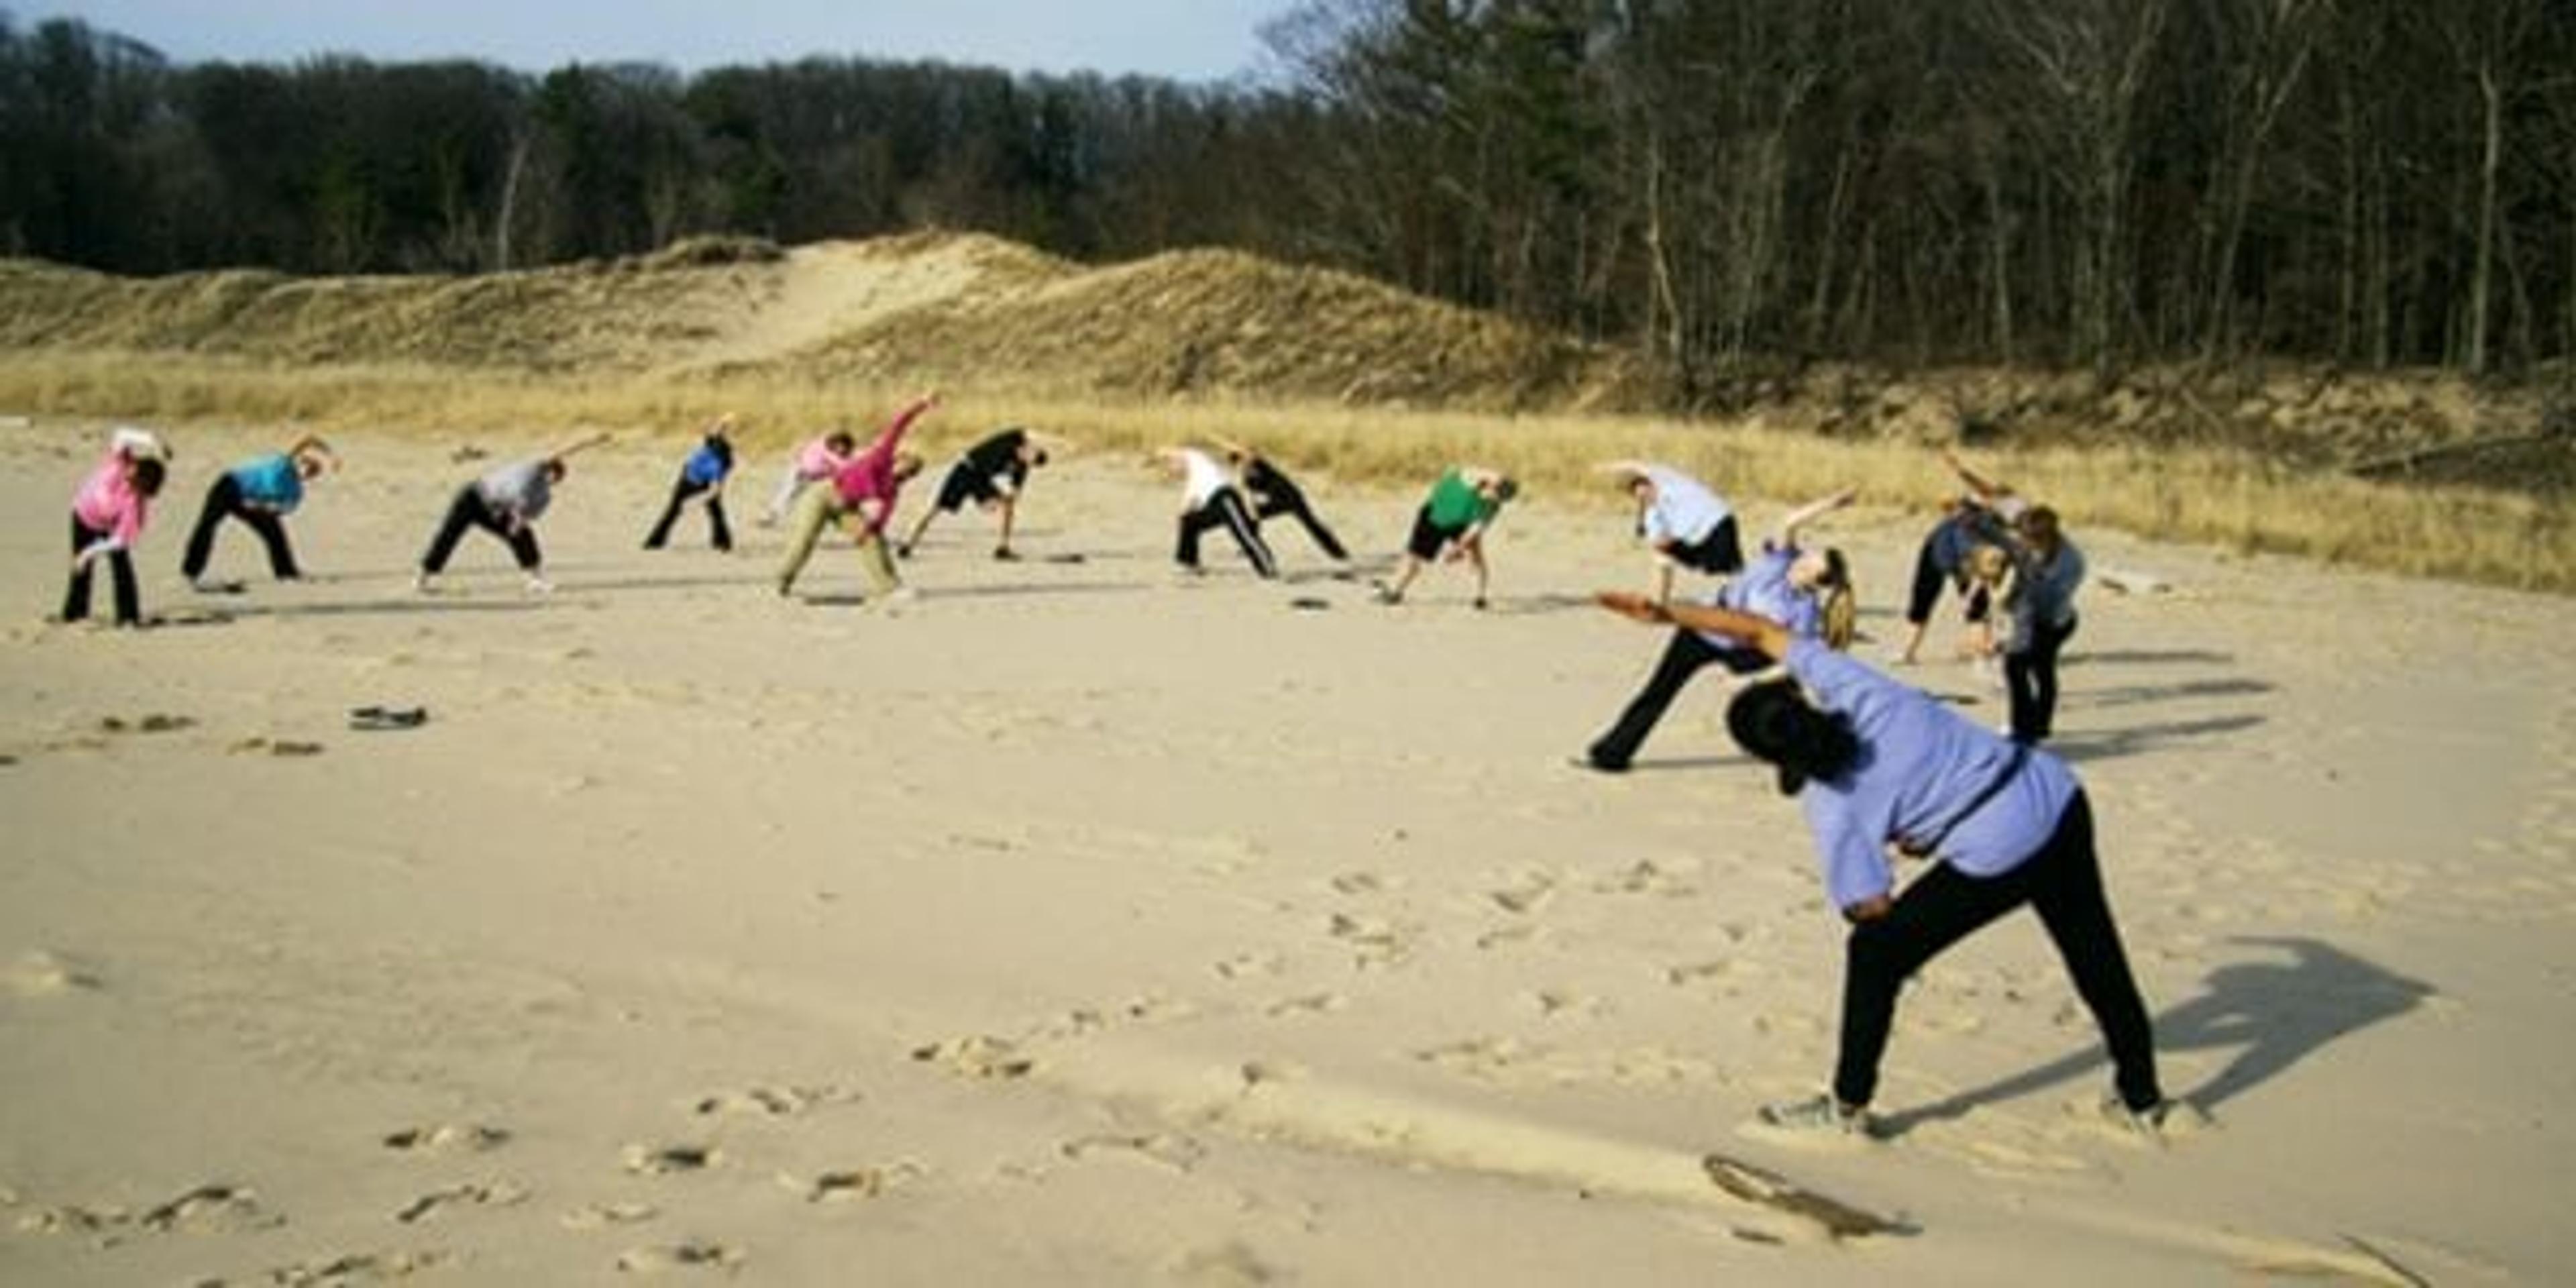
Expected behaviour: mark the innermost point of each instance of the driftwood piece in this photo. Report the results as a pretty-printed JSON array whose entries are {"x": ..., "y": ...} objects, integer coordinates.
[{"x": 1772, "y": 1190}]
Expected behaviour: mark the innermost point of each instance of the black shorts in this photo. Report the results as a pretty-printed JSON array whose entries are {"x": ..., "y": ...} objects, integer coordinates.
[
  {"x": 1719, "y": 553},
  {"x": 1429, "y": 538},
  {"x": 966, "y": 483}
]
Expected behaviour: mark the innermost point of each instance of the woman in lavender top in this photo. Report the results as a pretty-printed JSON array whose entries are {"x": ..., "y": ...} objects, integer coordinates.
[{"x": 1878, "y": 767}]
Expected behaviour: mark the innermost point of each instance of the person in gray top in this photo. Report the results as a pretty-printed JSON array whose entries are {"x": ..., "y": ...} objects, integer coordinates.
[
  {"x": 506, "y": 503},
  {"x": 2041, "y": 605}
]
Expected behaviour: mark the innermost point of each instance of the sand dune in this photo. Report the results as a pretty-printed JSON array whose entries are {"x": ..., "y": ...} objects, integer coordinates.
[{"x": 1082, "y": 923}]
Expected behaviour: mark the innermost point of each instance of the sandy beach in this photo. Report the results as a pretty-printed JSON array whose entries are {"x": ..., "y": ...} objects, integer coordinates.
[{"x": 1082, "y": 923}]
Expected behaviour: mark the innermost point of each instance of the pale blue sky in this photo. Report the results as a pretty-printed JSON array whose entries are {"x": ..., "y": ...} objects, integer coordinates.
[{"x": 1196, "y": 40}]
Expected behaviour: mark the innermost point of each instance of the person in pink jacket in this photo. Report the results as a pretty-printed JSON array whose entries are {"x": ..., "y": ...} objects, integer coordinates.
[
  {"x": 864, "y": 489},
  {"x": 108, "y": 515},
  {"x": 820, "y": 458}
]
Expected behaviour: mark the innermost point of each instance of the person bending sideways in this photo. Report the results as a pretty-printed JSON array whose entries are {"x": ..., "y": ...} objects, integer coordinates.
[
  {"x": 1273, "y": 494},
  {"x": 992, "y": 474},
  {"x": 1210, "y": 499},
  {"x": 1879, "y": 768},
  {"x": 1451, "y": 525},
  {"x": 506, "y": 503},
  {"x": 863, "y": 492},
  {"x": 1808, "y": 592},
  {"x": 703, "y": 474},
  {"x": 260, "y": 492},
  {"x": 109, "y": 513},
  {"x": 1682, "y": 520}
]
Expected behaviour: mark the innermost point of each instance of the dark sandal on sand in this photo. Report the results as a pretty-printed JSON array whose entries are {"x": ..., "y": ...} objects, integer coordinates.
[{"x": 388, "y": 717}]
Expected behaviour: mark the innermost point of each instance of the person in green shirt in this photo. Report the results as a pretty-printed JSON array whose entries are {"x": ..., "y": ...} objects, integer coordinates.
[{"x": 1451, "y": 526}]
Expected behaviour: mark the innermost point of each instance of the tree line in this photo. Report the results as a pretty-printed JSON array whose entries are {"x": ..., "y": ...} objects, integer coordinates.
[{"x": 1720, "y": 185}]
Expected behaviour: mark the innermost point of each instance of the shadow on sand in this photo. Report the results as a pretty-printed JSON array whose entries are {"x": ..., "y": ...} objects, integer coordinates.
[{"x": 2273, "y": 1012}]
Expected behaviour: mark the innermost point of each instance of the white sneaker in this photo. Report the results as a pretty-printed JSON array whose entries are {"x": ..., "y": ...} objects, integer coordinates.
[
  {"x": 420, "y": 582},
  {"x": 1819, "y": 1115},
  {"x": 900, "y": 595},
  {"x": 540, "y": 586}
]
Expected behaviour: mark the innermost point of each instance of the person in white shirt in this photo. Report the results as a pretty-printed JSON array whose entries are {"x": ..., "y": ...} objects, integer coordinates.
[
  {"x": 1687, "y": 524},
  {"x": 1210, "y": 498}
]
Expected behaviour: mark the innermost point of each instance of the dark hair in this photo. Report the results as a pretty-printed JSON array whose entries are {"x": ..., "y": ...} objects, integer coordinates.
[
  {"x": 1039, "y": 457},
  {"x": 148, "y": 473},
  {"x": 840, "y": 440},
  {"x": 1773, "y": 722}
]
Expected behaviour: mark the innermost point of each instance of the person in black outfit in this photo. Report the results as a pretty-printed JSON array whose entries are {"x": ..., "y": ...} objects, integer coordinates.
[
  {"x": 1273, "y": 494},
  {"x": 991, "y": 473}
]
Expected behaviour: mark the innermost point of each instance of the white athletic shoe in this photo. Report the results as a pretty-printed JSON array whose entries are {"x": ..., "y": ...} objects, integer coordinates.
[
  {"x": 420, "y": 582},
  {"x": 540, "y": 586},
  {"x": 1821, "y": 1116}
]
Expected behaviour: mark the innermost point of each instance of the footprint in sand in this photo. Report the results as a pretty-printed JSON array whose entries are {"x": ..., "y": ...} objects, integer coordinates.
[
  {"x": 1645, "y": 876},
  {"x": 689, "y": 1254},
  {"x": 1246, "y": 965},
  {"x": 600, "y": 1216},
  {"x": 349, "y": 1268},
  {"x": 669, "y": 1160},
  {"x": 1378, "y": 942},
  {"x": 1179, "y": 1153},
  {"x": 850, "y": 1185},
  {"x": 768, "y": 1102},
  {"x": 1527, "y": 895},
  {"x": 447, "y": 1138},
  {"x": 45, "y": 973},
  {"x": 977, "y": 1057},
  {"x": 207, "y": 1209},
  {"x": 1306, "y": 1004},
  {"x": 1225, "y": 1265},
  {"x": 497, "y": 1194}
]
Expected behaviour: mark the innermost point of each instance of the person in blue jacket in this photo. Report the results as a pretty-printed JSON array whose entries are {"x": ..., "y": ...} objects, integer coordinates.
[
  {"x": 260, "y": 492},
  {"x": 1879, "y": 766},
  {"x": 703, "y": 474}
]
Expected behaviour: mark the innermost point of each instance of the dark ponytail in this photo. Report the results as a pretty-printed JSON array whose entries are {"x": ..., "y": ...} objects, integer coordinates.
[{"x": 1773, "y": 722}]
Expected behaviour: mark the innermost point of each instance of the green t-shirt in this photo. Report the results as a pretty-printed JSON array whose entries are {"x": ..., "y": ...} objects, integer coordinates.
[{"x": 1455, "y": 504}]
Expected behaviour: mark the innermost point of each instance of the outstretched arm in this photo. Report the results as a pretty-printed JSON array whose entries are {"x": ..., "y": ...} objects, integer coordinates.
[
  {"x": 1787, "y": 533},
  {"x": 1761, "y": 632},
  {"x": 903, "y": 422},
  {"x": 1986, "y": 489},
  {"x": 581, "y": 446}
]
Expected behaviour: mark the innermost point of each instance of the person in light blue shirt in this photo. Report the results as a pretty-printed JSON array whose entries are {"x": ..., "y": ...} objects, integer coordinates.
[
  {"x": 2041, "y": 604},
  {"x": 260, "y": 492},
  {"x": 703, "y": 474},
  {"x": 1808, "y": 592},
  {"x": 1879, "y": 766}
]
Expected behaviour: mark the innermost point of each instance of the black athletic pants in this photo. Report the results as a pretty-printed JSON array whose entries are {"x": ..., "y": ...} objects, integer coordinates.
[
  {"x": 681, "y": 491},
  {"x": 120, "y": 563},
  {"x": 469, "y": 511},
  {"x": 1292, "y": 503},
  {"x": 224, "y": 501},
  {"x": 1683, "y": 658},
  {"x": 1226, "y": 508},
  {"x": 2063, "y": 884},
  {"x": 2030, "y": 680}
]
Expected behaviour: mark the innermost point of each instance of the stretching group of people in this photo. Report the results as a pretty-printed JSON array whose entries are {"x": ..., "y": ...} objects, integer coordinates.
[
  {"x": 1885, "y": 772},
  {"x": 1881, "y": 769}
]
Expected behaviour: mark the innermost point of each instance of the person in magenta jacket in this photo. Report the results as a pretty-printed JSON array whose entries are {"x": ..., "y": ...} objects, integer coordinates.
[
  {"x": 864, "y": 489},
  {"x": 108, "y": 516}
]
